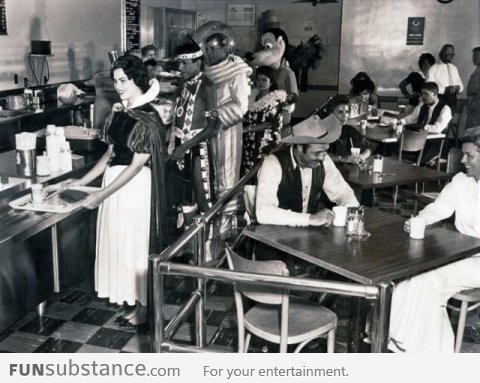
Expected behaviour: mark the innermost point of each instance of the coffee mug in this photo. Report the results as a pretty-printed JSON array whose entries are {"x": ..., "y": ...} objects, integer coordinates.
[
  {"x": 417, "y": 228},
  {"x": 363, "y": 124},
  {"x": 340, "y": 215}
]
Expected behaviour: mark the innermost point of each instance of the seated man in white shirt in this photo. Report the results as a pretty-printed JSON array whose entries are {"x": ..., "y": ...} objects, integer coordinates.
[
  {"x": 419, "y": 319},
  {"x": 431, "y": 114},
  {"x": 293, "y": 182}
]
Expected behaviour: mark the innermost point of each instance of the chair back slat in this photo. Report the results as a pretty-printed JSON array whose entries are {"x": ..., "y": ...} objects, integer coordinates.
[
  {"x": 412, "y": 142},
  {"x": 261, "y": 294},
  {"x": 454, "y": 161}
]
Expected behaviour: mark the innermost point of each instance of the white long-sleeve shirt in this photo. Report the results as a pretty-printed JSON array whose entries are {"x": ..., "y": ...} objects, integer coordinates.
[
  {"x": 445, "y": 75},
  {"x": 439, "y": 126},
  {"x": 462, "y": 197},
  {"x": 269, "y": 178}
]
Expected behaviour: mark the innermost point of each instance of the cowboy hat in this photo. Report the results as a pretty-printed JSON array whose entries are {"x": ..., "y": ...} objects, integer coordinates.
[{"x": 314, "y": 130}]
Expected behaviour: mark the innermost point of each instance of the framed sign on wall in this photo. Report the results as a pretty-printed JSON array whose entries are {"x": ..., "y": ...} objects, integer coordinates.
[{"x": 241, "y": 15}]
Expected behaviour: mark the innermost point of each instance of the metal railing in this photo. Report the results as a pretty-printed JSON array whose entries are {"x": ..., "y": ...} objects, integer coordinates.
[{"x": 161, "y": 265}]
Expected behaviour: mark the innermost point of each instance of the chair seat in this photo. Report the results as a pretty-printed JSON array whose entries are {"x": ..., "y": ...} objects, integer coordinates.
[
  {"x": 472, "y": 295},
  {"x": 305, "y": 321}
]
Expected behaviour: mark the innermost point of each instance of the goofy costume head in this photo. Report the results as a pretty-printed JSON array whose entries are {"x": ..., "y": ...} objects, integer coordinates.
[{"x": 274, "y": 43}]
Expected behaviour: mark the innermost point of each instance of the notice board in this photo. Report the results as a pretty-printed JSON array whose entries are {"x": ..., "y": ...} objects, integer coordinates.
[
  {"x": 3, "y": 18},
  {"x": 415, "y": 30},
  {"x": 132, "y": 24}
]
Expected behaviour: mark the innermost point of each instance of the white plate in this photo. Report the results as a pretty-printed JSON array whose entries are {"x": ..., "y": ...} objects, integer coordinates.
[{"x": 53, "y": 205}]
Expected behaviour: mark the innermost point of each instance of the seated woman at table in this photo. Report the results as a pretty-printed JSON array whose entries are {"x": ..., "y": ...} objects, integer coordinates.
[
  {"x": 417, "y": 79},
  {"x": 265, "y": 108},
  {"x": 362, "y": 95},
  {"x": 419, "y": 319},
  {"x": 350, "y": 137}
]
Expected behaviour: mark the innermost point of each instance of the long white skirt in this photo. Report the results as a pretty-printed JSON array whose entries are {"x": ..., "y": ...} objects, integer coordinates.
[
  {"x": 123, "y": 233},
  {"x": 419, "y": 320}
]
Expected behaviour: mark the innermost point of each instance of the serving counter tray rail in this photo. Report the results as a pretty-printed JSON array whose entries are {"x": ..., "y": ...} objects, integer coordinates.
[{"x": 54, "y": 204}]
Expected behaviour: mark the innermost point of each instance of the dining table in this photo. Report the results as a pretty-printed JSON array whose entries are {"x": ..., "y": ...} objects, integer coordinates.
[
  {"x": 385, "y": 258},
  {"x": 380, "y": 130},
  {"x": 394, "y": 173}
]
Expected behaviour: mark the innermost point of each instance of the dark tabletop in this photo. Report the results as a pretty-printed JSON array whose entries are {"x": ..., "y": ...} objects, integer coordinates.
[
  {"x": 394, "y": 173},
  {"x": 388, "y": 255}
]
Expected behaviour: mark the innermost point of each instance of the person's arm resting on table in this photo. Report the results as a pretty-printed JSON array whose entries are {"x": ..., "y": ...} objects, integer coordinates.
[{"x": 267, "y": 210}]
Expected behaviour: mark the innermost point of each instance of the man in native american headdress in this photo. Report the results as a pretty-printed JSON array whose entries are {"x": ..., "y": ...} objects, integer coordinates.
[{"x": 191, "y": 128}]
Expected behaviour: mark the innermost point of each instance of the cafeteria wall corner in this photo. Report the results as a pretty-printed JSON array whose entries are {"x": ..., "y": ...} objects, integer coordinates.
[
  {"x": 68, "y": 24},
  {"x": 373, "y": 38}
]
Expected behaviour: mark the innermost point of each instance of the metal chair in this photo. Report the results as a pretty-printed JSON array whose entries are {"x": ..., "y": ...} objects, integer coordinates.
[
  {"x": 470, "y": 300},
  {"x": 454, "y": 165},
  {"x": 277, "y": 317},
  {"x": 411, "y": 142}
]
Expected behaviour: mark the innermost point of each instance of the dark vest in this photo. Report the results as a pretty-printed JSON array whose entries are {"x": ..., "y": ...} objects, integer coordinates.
[
  {"x": 423, "y": 115},
  {"x": 290, "y": 189}
]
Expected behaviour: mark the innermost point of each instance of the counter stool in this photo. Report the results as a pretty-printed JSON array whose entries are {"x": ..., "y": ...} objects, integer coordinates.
[{"x": 466, "y": 297}]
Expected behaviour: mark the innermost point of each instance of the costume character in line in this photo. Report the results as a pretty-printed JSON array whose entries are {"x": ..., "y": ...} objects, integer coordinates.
[
  {"x": 264, "y": 119},
  {"x": 230, "y": 75},
  {"x": 274, "y": 42},
  {"x": 131, "y": 221},
  {"x": 189, "y": 144}
]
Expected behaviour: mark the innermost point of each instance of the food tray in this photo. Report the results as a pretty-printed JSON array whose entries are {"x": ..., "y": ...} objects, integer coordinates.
[{"x": 52, "y": 205}]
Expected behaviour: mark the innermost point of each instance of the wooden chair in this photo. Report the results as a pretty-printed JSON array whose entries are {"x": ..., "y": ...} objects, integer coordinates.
[
  {"x": 470, "y": 300},
  {"x": 276, "y": 317},
  {"x": 411, "y": 142}
]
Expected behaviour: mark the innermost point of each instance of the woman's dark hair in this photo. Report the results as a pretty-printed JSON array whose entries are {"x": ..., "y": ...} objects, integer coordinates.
[
  {"x": 150, "y": 62},
  {"x": 426, "y": 57},
  {"x": 360, "y": 82},
  {"x": 340, "y": 99},
  {"x": 134, "y": 69},
  {"x": 268, "y": 72}
]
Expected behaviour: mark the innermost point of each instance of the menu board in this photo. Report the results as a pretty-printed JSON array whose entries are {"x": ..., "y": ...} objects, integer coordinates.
[
  {"x": 3, "y": 18},
  {"x": 242, "y": 15},
  {"x": 132, "y": 24}
]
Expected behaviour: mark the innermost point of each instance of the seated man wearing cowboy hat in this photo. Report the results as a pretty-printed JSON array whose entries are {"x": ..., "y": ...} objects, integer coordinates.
[{"x": 293, "y": 182}]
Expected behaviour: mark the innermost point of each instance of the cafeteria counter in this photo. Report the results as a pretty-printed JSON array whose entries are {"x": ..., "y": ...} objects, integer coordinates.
[{"x": 40, "y": 253}]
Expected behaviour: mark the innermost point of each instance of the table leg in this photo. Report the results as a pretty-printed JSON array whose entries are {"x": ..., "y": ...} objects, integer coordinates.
[
  {"x": 357, "y": 325},
  {"x": 381, "y": 320},
  {"x": 55, "y": 259}
]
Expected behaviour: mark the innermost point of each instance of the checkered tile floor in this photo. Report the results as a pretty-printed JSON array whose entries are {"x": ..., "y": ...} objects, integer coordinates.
[{"x": 76, "y": 321}]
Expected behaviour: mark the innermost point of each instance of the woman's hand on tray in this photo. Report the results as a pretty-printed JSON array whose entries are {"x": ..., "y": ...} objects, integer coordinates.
[
  {"x": 93, "y": 200},
  {"x": 71, "y": 182}
]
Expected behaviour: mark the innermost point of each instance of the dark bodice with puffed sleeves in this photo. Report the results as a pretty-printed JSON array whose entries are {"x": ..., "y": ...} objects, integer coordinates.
[{"x": 119, "y": 134}]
